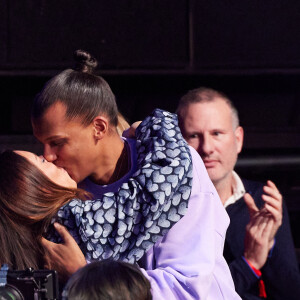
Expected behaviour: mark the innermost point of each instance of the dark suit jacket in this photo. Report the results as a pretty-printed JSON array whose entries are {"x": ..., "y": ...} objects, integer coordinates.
[{"x": 280, "y": 273}]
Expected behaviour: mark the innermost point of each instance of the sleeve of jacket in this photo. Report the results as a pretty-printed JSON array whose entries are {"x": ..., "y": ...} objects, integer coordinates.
[
  {"x": 281, "y": 273},
  {"x": 243, "y": 277}
]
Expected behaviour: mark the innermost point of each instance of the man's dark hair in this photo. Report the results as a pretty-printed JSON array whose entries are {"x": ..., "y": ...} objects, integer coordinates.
[
  {"x": 108, "y": 280},
  {"x": 84, "y": 94}
]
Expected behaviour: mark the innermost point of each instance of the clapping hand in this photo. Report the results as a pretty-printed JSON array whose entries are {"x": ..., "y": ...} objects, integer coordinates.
[
  {"x": 273, "y": 204},
  {"x": 263, "y": 225}
]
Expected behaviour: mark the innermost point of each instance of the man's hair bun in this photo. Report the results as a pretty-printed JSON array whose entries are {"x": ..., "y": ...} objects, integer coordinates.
[{"x": 84, "y": 62}]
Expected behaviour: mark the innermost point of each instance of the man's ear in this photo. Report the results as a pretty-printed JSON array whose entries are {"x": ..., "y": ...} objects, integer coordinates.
[
  {"x": 239, "y": 134},
  {"x": 100, "y": 126}
]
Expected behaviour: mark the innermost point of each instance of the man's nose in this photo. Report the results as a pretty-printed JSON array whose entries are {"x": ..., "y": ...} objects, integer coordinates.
[
  {"x": 49, "y": 154},
  {"x": 206, "y": 147}
]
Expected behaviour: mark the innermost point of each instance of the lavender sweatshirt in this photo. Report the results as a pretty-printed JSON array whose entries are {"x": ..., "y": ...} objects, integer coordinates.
[{"x": 187, "y": 263}]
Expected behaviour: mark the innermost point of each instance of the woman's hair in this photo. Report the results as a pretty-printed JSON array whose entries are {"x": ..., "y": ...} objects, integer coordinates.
[
  {"x": 108, "y": 280},
  {"x": 28, "y": 201},
  {"x": 122, "y": 124},
  {"x": 84, "y": 94}
]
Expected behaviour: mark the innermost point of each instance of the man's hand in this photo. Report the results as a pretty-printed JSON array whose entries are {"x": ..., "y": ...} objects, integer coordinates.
[
  {"x": 65, "y": 258},
  {"x": 259, "y": 230},
  {"x": 273, "y": 204}
]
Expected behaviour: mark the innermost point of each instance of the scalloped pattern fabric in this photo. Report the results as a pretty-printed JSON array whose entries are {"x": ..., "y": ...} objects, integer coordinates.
[{"x": 123, "y": 225}]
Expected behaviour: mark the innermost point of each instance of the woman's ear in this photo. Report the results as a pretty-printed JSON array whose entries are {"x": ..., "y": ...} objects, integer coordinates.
[{"x": 100, "y": 126}]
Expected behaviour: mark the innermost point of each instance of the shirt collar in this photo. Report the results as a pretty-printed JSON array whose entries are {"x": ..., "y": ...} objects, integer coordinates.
[{"x": 237, "y": 188}]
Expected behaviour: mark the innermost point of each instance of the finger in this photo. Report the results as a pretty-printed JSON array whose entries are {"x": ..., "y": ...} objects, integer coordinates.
[
  {"x": 260, "y": 217},
  {"x": 272, "y": 193},
  {"x": 63, "y": 232},
  {"x": 268, "y": 228},
  {"x": 258, "y": 229},
  {"x": 263, "y": 223},
  {"x": 264, "y": 212},
  {"x": 272, "y": 199},
  {"x": 253, "y": 218},
  {"x": 269, "y": 232},
  {"x": 252, "y": 208},
  {"x": 277, "y": 215},
  {"x": 272, "y": 202},
  {"x": 272, "y": 188},
  {"x": 254, "y": 226},
  {"x": 46, "y": 244},
  {"x": 272, "y": 185}
]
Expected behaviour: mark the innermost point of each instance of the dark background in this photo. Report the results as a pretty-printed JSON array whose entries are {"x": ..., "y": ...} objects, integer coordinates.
[{"x": 152, "y": 52}]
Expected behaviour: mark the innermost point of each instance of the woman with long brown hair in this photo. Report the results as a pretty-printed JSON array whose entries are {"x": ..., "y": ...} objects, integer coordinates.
[
  {"x": 34, "y": 192},
  {"x": 29, "y": 201}
]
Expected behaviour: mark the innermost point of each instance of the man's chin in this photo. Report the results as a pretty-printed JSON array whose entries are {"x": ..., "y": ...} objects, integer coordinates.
[
  {"x": 213, "y": 174},
  {"x": 76, "y": 179},
  {"x": 72, "y": 175}
]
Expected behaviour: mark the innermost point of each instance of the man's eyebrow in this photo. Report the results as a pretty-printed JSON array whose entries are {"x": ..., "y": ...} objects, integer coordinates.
[
  {"x": 53, "y": 137},
  {"x": 192, "y": 132},
  {"x": 218, "y": 129}
]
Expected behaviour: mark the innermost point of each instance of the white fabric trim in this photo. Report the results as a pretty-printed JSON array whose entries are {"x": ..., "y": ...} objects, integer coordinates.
[{"x": 238, "y": 190}]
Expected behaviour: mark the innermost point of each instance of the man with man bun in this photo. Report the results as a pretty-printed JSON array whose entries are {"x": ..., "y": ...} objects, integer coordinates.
[{"x": 75, "y": 118}]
